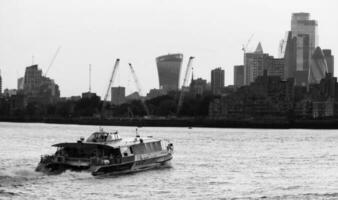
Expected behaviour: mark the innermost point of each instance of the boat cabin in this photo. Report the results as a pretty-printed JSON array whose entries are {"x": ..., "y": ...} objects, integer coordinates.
[{"x": 104, "y": 137}]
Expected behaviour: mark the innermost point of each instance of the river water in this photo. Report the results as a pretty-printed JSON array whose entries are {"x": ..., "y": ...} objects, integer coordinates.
[{"x": 208, "y": 164}]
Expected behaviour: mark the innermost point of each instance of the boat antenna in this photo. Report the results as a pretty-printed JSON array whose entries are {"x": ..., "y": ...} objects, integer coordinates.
[{"x": 137, "y": 135}]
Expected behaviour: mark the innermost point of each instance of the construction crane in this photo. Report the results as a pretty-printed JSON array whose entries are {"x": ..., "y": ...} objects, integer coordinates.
[
  {"x": 185, "y": 81},
  {"x": 244, "y": 49},
  {"x": 245, "y": 46},
  {"x": 53, "y": 59},
  {"x": 139, "y": 90},
  {"x": 111, "y": 80}
]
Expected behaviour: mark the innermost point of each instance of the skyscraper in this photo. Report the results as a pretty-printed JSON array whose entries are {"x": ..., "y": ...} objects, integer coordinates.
[
  {"x": 329, "y": 60},
  {"x": 39, "y": 88},
  {"x": 238, "y": 75},
  {"x": 255, "y": 64},
  {"x": 301, "y": 44},
  {"x": 169, "y": 68},
  {"x": 32, "y": 79},
  {"x": 318, "y": 67},
  {"x": 217, "y": 81},
  {"x": 118, "y": 95},
  {"x": 290, "y": 56},
  {"x": 305, "y": 30}
]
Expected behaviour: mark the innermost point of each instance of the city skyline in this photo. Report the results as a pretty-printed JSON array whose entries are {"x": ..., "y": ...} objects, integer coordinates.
[{"x": 192, "y": 35}]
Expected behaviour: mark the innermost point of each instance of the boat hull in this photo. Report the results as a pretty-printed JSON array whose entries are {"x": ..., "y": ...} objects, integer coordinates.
[{"x": 131, "y": 167}]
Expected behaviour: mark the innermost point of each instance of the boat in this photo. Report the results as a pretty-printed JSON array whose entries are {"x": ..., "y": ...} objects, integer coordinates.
[{"x": 107, "y": 153}]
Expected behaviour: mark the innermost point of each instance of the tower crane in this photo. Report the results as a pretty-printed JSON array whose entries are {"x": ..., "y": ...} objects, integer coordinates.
[
  {"x": 111, "y": 80},
  {"x": 244, "y": 49},
  {"x": 185, "y": 81},
  {"x": 245, "y": 46},
  {"x": 53, "y": 59},
  {"x": 139, "y": 90}
]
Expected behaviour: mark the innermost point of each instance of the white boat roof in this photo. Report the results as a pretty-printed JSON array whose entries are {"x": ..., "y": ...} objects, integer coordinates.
[{"x": 106, "y": 140}]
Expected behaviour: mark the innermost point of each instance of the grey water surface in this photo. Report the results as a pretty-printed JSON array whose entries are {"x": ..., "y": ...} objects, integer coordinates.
[{"x": 208, "y": 164}]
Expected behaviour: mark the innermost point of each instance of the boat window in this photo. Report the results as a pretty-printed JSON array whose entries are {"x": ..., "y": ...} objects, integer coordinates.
[
  {"x": 148, "y": 147},
  {"x": 164, "y": 144},
  {"x": 157, "y": 146},
  {"x": 139, "y": 148}
]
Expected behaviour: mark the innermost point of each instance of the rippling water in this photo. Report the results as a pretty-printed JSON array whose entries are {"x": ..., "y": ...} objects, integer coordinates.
[{"x": 208, "y": 164}]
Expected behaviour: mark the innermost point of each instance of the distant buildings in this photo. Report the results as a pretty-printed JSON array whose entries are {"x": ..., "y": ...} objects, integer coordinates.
[
  {"x": 9, "y": 92},
  {"x": 276, "y": 67},
  {"x": 238, "y": 76},
  {"x": 38, "y": 88},
  {"x": 258, "y": 61},
  {"x": 32, "y": 79},
  {"x": 217, "y": 81},
  {"x": 153, "y": 93},
  {"x": 20, "y": 83},
  {"x": 266, "y": 96},
  {"x": 255, "y": 63},
  {"x": 88, "y": 95},
  {"x": 329, "y": 60},
  {"x": 133, "y": 96},
  {"x": 169, "y": 68},
  {"x": 304, "y": 60},
  {"x": 198, "y": 86},
  {"x": 118, "y": 95}
]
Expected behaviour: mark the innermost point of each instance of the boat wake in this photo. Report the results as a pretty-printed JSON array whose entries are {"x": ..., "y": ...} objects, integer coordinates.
[{"x": 17, "y": 177}]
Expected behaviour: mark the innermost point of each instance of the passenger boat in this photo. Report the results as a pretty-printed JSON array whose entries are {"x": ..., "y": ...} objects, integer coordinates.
[{"x": 108, "y": 153}]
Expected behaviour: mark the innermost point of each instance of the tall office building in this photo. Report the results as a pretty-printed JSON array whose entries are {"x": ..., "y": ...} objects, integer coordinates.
[
  {"x": 118, "y": 95},
  {"x": 217, "y": 81},
  {"x": 301, "y": 44},
  {"x": 329, "y": 60},
  {"x": 318, "y": 67},
  {"x": 39, "y": 88},
  {"x": 20, "y": 83},
  {"x": 32, "y": 79},
  {"x": 238, "y": 76},
  {"x": 276, "y": 67},
  {"x": 290, "y": 56},
  {"x": 255, "y": 64},
  {"x": 305, "y": 31},
  {"x": 169, "y": 69}
]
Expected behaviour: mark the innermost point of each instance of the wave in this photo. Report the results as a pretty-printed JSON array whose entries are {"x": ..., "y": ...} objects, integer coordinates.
[
  {"x": 307, "y": 196},
  {"x": 17, "y": 177},
  {"x": 4, "y": 193}
]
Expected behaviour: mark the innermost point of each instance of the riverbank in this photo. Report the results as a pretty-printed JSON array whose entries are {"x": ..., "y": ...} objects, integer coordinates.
[{"x": 185, "y": 122}]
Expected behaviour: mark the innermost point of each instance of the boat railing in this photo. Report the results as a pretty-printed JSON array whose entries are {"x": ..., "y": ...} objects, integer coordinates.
[
  {"x": 105, "y": 161},
  {"x": 76, "y": 159},
  {"x": 46, "y": 158}
]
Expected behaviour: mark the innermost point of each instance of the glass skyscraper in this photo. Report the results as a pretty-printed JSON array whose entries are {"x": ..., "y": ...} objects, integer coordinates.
[
  {"x": 169, "y": 69},
  {"x": 305, "y": 31}
]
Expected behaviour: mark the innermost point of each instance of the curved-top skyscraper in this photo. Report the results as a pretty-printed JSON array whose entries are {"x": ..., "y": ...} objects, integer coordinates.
[{"x": 169, "y": 68}]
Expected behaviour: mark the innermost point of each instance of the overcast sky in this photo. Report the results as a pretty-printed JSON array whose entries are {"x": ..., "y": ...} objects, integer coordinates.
[{"x": 97, "y": 32}]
